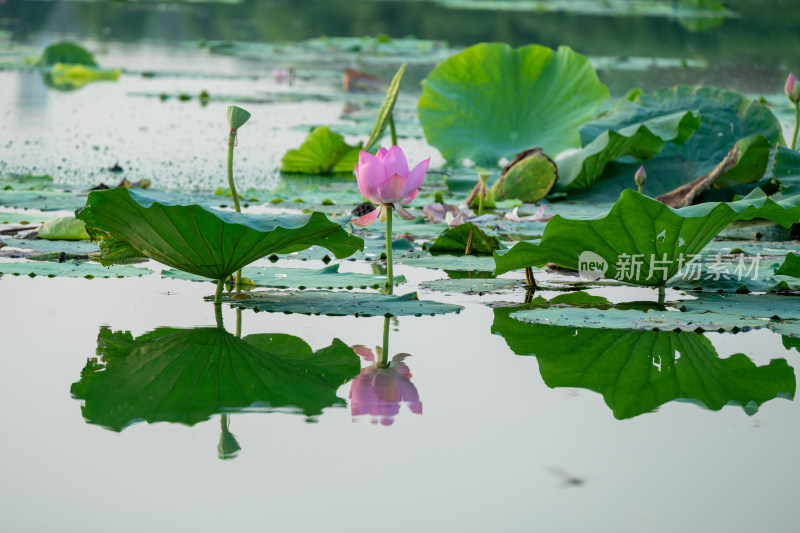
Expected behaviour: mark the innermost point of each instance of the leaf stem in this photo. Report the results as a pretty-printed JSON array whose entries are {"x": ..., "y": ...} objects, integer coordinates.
[
  {"x": 232, "y": 185},
  {"x": 383, "y": 359},
  {"x": 661, "y": 295},
  {"x": 389, "y": 287},
  {"x": 796, "y": 123},
  {"x": 392, "y": 130},
  {"x": 239, "y": 322},
  {"x": 218, "y": 294}
]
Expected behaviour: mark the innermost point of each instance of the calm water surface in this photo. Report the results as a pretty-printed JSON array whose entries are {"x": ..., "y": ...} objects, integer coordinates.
[{"x": 494, "y": 447}]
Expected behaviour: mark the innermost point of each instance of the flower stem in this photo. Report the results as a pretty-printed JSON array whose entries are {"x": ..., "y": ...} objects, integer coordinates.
[
  {"x": 232, "y": 185},
  {"x": 383, "y": 360},
  {"x": 392, "y": 130},
  {"x": 796, "y": 123},
  {"x": 389, "y": 287},
  {"x": 639, "y": 188}
]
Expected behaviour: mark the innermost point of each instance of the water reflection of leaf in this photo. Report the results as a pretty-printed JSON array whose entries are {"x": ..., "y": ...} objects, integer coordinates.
[
  {"x": 638, "y": 371},
  {"x": 188, "y": 375}
]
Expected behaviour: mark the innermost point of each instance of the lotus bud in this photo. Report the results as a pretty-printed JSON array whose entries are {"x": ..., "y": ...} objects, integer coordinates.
[
  {"x": 237, "y": 117},
  {"x": 640, "y": 178},
  {"x": 792, "y": 88}
]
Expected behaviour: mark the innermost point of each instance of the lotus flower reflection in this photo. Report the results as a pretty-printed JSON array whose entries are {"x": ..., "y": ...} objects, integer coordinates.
[
  {"x": 380, "y": 389},
  {"x": 384, "y": 180}
]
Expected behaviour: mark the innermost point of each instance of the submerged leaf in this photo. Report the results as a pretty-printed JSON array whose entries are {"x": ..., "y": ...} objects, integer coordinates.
[
  {"x": 201, "y": 240},
  {"x": 638, "y": 371},
  {"x": 187, "y": 375},
  {"x": 492, "y": 101}
]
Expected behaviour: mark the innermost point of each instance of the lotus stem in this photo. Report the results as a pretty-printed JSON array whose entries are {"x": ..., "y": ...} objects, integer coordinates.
[
  {"x": 468, "y": 248},
  {"x": 239, "y": 322},
  {"x": 383, "y": 359},
  {"x": 389, "y": 287},
  {"x": 638, "y": 188},
  {"x": 232, "y": 185},
  {"x": 392, "y": 130},
  {"x": 661, "y": 295},
  {"x": 530, "y": 281},
  {"x": 218, "y": 294},
  {"x": 796, "y": 123}
]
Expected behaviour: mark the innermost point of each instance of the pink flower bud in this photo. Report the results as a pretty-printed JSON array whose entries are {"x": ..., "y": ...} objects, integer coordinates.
[{"x": 792, "y": 88}]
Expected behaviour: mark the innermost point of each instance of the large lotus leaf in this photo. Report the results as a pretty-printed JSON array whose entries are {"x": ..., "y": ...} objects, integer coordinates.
[
  {"x": 323, "y": 152},
  {"x": 529, "y": 180},
  {"x": 638, "y": 371},
  {"x": 642, "y": 241},
  {"x": 301, "y": 278},
  {"x": 642, "y": 141},
  {"x": 341, "y": 303},
  {"x": 188, "y": 375},
  {"x": 201, "y": 240},
  {"x": 492, "y": 101},
  {"x": 725, "y": 118}
]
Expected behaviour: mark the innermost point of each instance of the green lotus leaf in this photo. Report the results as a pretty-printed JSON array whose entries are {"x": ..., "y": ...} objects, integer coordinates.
[
  {"x": 455, "y": 240},
  {"x": 640, "y": 240},
  {"x": 471, "y": 285},
  {"x": 201, "y": 240},
  {"x": 638, "y": 371},
  {"x": 492, "y": 101},
  {"x": 725, "y": 118},
  {"x": 642, "y": 141},
  {"x": 529, "y": 180},
  {"x": 790, "y": 266},
  {"x": 786, "y": 170},
  {"x": 323, "y": 152},
  {"x": 385, "y": 110},
  {"x": 63, "y": 228},
  {"x": 340, "y": 303},
  {"x": 187, "y": 375},
  {"x": 68, "y": 53}
]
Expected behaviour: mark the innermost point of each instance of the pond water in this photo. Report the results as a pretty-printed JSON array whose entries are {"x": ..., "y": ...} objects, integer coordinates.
[{"x": 502, "y": 427}]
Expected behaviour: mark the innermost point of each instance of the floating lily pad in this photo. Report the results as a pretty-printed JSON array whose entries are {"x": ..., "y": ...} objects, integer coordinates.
[
  {"x": 768, "y": 306},
  {"x": 43, "y": 246},
  {"x": 24, "y": 219},
  {"x": 43, "y": 200},
  {"x": 638, "y": 371},
  {"x": 471, "y": 285},
  {"x": 449, "y": 262},
  {"x": 186, "y": 376},
  {"x": 201, "y": 240},
  {"x": 301, "y": 278},
  {"x": 71, "y": 269},
  {"x": 640, "y": 240},
  {"x": 492, "y": 101},
  {"x": 341, "y": 304}
]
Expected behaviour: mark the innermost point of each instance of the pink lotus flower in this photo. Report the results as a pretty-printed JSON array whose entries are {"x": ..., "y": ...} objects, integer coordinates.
[
  {"x": 379, "y": 391},
  {"x": 792, "y": 88},
  {"x": 385, "y": 181}
]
